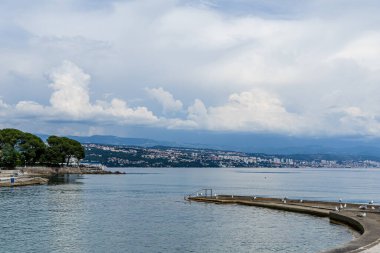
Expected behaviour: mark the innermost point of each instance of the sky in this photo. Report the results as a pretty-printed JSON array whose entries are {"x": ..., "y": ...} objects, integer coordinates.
[{"x": 289, "y": 67}]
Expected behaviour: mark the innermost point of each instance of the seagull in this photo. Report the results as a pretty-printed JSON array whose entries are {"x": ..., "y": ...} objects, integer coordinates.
[
  {"x": 341, "y": 206},
  {"x": 336, "y": 209},
  {"x": 345, "y": 205},
  {"x": 362, "y": 214},
  {"x": 363, "y": 207},
  {"x": 254, "y": 197},
  {"x": 301, "y": 201},
  {"x": 232, "y": 196},
  {"x": 284, "y": 201}
]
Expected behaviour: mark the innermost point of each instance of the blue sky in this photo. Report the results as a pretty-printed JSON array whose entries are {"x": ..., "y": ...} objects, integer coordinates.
[{"x": 299, "y": 68}]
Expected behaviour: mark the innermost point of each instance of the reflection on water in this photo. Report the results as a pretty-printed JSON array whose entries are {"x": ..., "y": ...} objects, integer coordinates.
[
  {"x": 65, "y": 179},
  {"x": 145, "y": 212}
]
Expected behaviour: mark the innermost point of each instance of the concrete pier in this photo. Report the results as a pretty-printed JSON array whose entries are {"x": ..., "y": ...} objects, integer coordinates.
[
  {"x": 24, "y": 181},
  {"x": 363, "y": 218}
]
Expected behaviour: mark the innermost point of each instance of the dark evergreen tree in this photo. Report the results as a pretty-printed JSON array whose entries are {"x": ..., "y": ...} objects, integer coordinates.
[{"x": 18, "y": 148}]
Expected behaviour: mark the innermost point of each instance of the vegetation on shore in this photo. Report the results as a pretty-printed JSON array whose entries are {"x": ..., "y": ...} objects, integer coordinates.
[{"x": 19, "y": 148}]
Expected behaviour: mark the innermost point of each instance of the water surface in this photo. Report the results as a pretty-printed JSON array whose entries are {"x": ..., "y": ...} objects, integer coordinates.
[{"x": 144, "y": 211}]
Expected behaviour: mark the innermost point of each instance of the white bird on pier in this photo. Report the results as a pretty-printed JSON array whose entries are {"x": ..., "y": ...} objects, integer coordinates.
[
  {"x": 362, "y": 214},
  {"x": 232, "y": 196},
  {"x": 345, "y": 205},
  {"x": 336, "y": 209},
  {"x": 340, "y": 206},
  {"x": 285, "y": 201},
  {"x": 301, "y": 201}
]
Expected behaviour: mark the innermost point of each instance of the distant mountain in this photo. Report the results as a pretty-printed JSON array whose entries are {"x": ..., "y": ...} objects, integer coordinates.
[
  {"x": 250, "y": 143},
  {"x": 114, "y": 140}
]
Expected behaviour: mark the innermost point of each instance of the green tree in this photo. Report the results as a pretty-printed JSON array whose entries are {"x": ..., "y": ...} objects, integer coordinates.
[
  {"x": 61, "y": 150},
  {"x": 31, "y": 148},
  {"x": 9, "y": 139},
  {"x": 19, "y": 148},
  {"x": 9, "y": 156},
  {"x": 26, "y": 147}
]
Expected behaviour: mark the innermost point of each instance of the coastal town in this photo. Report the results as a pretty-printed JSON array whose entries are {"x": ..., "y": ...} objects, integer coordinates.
[{"x": 132, "y": 156}]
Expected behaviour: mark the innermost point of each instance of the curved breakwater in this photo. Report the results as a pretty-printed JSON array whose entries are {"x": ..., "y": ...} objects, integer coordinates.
[{"x": 363, "y": 218}]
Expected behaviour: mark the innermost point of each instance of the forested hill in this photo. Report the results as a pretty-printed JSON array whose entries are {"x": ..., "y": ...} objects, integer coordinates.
[{"x": 19, "y": 148}]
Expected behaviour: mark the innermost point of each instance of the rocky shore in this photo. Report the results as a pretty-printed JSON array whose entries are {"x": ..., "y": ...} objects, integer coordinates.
[
  {"x": 40, "y": 175},
  {"x": 52, "y": 171}
]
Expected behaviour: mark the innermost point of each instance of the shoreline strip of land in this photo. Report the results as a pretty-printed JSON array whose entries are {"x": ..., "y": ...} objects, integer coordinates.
[{"x": 25, "y": 176}]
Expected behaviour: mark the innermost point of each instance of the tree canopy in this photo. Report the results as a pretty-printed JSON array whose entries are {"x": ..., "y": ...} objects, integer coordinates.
[
  {"x": 62, "y": 150},
  {"x": 18, "y": 148}
]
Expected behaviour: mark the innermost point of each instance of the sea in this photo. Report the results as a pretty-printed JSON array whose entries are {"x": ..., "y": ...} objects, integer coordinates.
[{"x": 145, "y": 211}]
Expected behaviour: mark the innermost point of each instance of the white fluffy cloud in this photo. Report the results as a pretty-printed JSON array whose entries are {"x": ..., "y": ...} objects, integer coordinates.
[
  {"x": 71, "y": 93},
  {"x": 70, "y": 100},
  {"x": 166, "y": 99},
  {"x": 252, "y": 111}
]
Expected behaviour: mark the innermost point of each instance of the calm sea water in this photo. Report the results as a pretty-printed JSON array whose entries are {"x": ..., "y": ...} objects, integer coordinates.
[{"x": 144, "y": 211}]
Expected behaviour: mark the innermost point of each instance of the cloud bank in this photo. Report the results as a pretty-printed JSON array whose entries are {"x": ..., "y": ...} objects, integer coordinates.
[
  {"x": 70, "y": 101},
  {"x": 299, "y": 68}
]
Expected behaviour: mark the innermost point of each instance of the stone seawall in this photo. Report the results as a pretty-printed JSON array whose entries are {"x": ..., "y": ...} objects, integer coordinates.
[{"x": 24, "y": 181}]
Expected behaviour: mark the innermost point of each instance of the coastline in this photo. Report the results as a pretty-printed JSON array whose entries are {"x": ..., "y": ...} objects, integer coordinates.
[
  {"x": 25, "y": 176},
  {"x": 51, "y": 171},
  {"x": 368, "y": 226}
]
